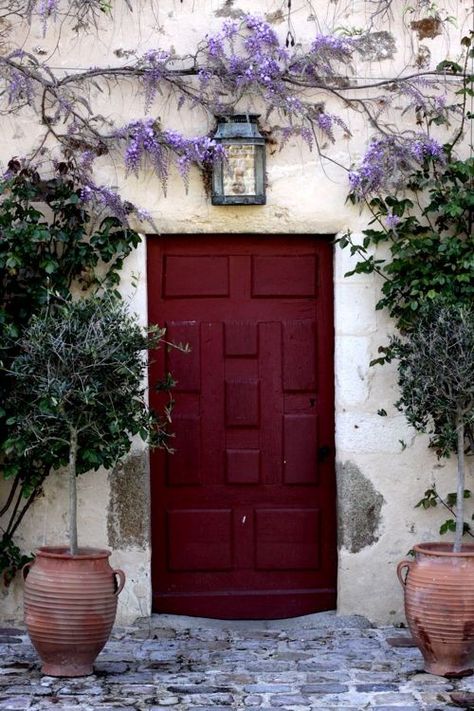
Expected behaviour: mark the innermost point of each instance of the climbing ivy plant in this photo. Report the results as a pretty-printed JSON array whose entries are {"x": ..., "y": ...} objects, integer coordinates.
[
  {"x": 425, "y": 218},
  {"x": 428, "y": 231},
  {"x": 425, "y": 227}
]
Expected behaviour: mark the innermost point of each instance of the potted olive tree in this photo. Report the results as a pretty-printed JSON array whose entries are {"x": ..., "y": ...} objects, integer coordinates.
[
  {"x": 78, "y": 395},
  {"x": 436, "y": 380}
]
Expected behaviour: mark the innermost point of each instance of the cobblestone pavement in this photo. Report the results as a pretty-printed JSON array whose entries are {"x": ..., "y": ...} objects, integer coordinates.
[{"x": 318, "y": 662}]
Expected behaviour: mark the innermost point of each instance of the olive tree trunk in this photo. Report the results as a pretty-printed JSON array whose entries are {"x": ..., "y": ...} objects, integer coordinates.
[
  {"x": 73, "y": 491},
  {"x": 460, "y": 483}
]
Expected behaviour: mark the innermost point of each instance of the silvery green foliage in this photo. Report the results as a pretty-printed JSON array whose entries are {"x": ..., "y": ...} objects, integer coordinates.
[
  {"x": 436, "y": 372},
  {"x": 78, "y": 393},
  {"x": 436, "y": 381}
]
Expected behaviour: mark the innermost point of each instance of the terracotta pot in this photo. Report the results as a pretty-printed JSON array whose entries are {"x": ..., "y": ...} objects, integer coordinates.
[
  {"x": 439, "y": 606},
  {"x": 70, "y": 606}
]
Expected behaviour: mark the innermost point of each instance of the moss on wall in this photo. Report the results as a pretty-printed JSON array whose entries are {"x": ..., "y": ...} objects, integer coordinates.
[
  {"x": 128, "y": 513},
  {"x": 359, "y": 508}
]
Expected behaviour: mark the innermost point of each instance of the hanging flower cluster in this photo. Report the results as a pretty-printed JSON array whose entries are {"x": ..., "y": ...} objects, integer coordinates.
[
  {"x": 102, "y": 197},
  {"x": 422, "y": 98},
  {"x": 388, "y": 159},
  {"x": 199, "y": 150},
  {"x": 328, "y": 57},
  {"x": 18, "y": 85},
  {"x": 248, "y": 59},
  {"x": 82, "y": 12},
  {"x": 327, "y": 123},
  {"x": 147, "y": 143},
  {"x": 247, "y": 55},
  {"x": 155, "y": 70},
  {"x": 105, "y": 198},
  {"x": 47, "y": 9}
]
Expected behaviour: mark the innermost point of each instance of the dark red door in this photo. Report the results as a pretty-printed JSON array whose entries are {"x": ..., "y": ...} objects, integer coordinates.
[{"x": 243, "y": 514}]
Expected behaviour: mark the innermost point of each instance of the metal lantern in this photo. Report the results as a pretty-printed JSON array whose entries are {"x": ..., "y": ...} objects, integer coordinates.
[{"x": 239, "y": 179}]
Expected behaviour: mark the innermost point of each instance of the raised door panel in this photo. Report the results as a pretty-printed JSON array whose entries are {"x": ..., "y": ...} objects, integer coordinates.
[
  {"x": 199, "y": 540},
  {"x": 282, "y": 276},
  {"x": 287, "y": 539},
  {"x": 195, "y": 277}
]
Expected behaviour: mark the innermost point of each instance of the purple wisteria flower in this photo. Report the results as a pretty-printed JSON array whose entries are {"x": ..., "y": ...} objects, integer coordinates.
[
  {"x": 147, "y": 143},
  {"x": 260, "y": 34},
  {"x": 423, "y": 146},
  {"x": 326, "y": 123},
  {"x": 334, "y": 45},
  {"x": 19, "y": 87},
  {"x": 86, "y": 160},
  {"x": 104, "y": 197},
  {"x": 293, "y": 105},
  {"x": 249, "y": 58},
  {"x": 229, "y": 29},
  {"x": 388, "y": 159},
  {"x": 142, "y": 141},
  {"x": 246, "y": 56},
  {"x": 86, "y": 193},
  {"x": 154, "y": 63},
  {"x": 215, "y": 46},
  {"x": 200, "y": 150},
  {"x": 46, "y": 10},
  {"x": 326, "y": 54},
  {"x": 143, "y": 215},
  {"x": 420, "y": 95},
  {"x": 392, "y": 221},
  {"x": 303, "y": 132}
]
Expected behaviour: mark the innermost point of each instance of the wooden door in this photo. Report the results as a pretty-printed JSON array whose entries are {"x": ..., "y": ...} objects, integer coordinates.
[{"x": 243, "y": 514}]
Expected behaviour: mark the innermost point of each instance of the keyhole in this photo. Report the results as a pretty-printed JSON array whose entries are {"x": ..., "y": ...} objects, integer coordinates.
[{"x": 312, "y": 401}]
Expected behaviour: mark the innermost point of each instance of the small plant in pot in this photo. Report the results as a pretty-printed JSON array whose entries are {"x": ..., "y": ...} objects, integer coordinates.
[
  {"x": 79, "y": 399},
  {"x": 436, "y": 380}
]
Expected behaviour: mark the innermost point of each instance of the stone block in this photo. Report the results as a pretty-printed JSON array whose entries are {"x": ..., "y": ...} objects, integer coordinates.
[
  {"x": 355, "y": 313},
  {"x": 372, "y": 434},
  {"x": 351, "y": 365}
]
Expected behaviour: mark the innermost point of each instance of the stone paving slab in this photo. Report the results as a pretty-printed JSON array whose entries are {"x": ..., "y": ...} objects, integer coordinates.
[{"x": 317, "y": 662}]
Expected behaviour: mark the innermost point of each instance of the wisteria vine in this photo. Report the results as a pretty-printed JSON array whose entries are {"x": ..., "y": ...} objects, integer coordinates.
[{"x": 246, "y": 63}]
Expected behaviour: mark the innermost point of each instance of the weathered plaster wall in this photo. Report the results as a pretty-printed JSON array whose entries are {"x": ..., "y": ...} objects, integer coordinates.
[{"x": 378, "y": 481}]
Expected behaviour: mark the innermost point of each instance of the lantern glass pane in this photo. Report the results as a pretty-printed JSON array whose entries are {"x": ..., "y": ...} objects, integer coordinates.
[{"x": 239, "y": 170}]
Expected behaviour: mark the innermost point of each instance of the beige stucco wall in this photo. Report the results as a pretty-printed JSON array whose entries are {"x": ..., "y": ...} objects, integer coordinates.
[{"x": 378, "y": 481}]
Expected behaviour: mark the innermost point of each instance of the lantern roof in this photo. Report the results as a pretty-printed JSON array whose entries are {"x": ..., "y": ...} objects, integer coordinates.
[{"x": 239, "y": 126}]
